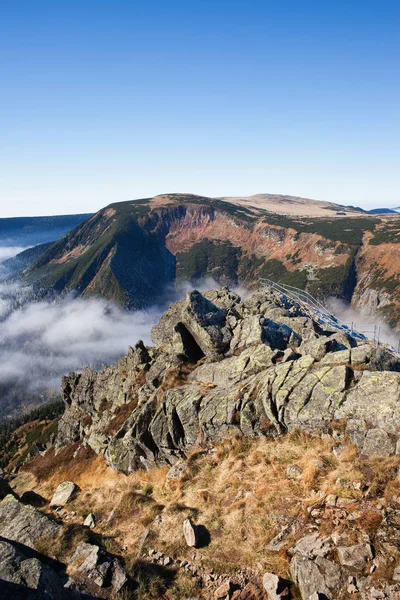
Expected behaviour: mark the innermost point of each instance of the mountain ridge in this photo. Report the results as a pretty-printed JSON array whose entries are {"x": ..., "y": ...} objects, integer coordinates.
[{"x": 132, "y": 251}]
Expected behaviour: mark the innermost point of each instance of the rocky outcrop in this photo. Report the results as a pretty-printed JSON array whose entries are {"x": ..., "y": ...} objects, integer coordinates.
[{"x": 221, "y": 367}]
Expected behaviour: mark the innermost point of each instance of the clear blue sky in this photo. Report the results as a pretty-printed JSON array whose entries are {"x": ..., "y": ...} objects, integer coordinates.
[{"x": 107, "y": 100}]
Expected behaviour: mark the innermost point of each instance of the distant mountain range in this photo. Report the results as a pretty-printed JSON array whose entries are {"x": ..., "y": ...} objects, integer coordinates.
[
  {"x": 30, "y": 231},
  {"x": 133, "y": 252},
  {"x": 385, "y": 211}
]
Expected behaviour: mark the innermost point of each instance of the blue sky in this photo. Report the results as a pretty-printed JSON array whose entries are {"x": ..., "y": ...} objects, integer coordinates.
[{"x": 108, "y": 100}]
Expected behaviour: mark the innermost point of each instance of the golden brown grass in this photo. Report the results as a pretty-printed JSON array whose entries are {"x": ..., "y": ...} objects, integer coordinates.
[{"x": 239, "y": 491}]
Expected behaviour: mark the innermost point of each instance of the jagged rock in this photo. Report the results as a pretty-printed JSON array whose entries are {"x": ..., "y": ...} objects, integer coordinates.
[
  {"x": 261, "y": 373},
  {"x": 224, "y": 590},
  {"x": 90, "y": 521},
  {"x": 313, "y": 545},
  {"x": 320, "y": 575},
  {"x": 276, "y": 588},
  {"x": 318, "y": 596},
  {"x": 65, "y": 492},
  {"x": 356, "y": 556},
  {"x": 378, "y": 443},
  {"x": 190, "y": 533},
  {"x": 25, "y": 524},
  {"x": 194, "y": 327},
  {"x": 93, "y": 563},
  {"x": 27, "y": 577}
]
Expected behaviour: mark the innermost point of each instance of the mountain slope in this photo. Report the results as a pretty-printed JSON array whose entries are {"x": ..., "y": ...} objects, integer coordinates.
[{"x": 131, "y": 251}]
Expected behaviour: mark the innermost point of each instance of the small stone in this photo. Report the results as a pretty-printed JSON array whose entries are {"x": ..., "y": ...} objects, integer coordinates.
[
  {"x": 352, "y": 589},
  {"x": 190, "y": 533},
  {"x": 331, "y": 500},
  {"x": 90, "y": 521},
  {"x": 294, "y": 472},
  {"x": 345, "y": 502},
  {"x": 177, "y": 470},
  {"x": 167, "y": 561},
  {"x": 110, "y": 518}
]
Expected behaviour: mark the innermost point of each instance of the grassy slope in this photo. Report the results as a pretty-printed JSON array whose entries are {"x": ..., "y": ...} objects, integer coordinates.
[{"x": 240, "y": 492}]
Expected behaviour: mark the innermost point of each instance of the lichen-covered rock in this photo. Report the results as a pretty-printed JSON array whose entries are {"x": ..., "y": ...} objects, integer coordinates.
[
  {"x": 195, "y": 327},
  {"x": 223, "y": 367},
  {"x": 25, "y": 524}
]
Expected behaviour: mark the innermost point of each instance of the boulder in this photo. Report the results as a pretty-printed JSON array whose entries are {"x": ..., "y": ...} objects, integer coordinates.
[
  {"x": 190, "y": 533},
  {"x": 320, "y": 576},
  {"x": 194, "y": 327},
  {"x": 377, "y": 442},
  {"x": 25, "y": 524},
  {"x": 64, "y": 493}
]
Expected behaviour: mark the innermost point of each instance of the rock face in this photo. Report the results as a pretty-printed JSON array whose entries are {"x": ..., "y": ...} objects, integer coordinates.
[{"x": 221, "y": 367}]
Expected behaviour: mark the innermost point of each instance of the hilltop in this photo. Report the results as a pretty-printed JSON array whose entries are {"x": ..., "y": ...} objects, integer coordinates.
[{"x": 134, "y": 252}]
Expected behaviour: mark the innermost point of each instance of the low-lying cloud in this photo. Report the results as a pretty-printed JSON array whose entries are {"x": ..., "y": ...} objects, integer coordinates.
[
  {"x": 370, "y": 326},
  {"x": 44, "y": 340},
  {"x": 10, "y": 251}
]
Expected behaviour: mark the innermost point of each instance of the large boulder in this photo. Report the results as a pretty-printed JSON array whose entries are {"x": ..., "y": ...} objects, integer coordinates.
[
  {"x": 193, "y": 328},
  {"x": 25, "y": 524}
]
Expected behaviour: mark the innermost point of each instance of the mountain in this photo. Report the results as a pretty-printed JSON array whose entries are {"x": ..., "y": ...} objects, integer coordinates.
[
  {"x": 25, "y": 258},
  {"x": 31, "y": 231},
  {"x": 383, "y": 211},
  {"x": 251, "y": 453},
  {"x": 134, "y": 251}
]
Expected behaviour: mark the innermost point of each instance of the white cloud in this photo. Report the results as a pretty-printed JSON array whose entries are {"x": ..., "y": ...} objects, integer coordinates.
[{"x": 10, "y": 251}]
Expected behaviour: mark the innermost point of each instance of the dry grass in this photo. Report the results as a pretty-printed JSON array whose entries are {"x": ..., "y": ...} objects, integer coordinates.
[{"x": 239, "y": 491}]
